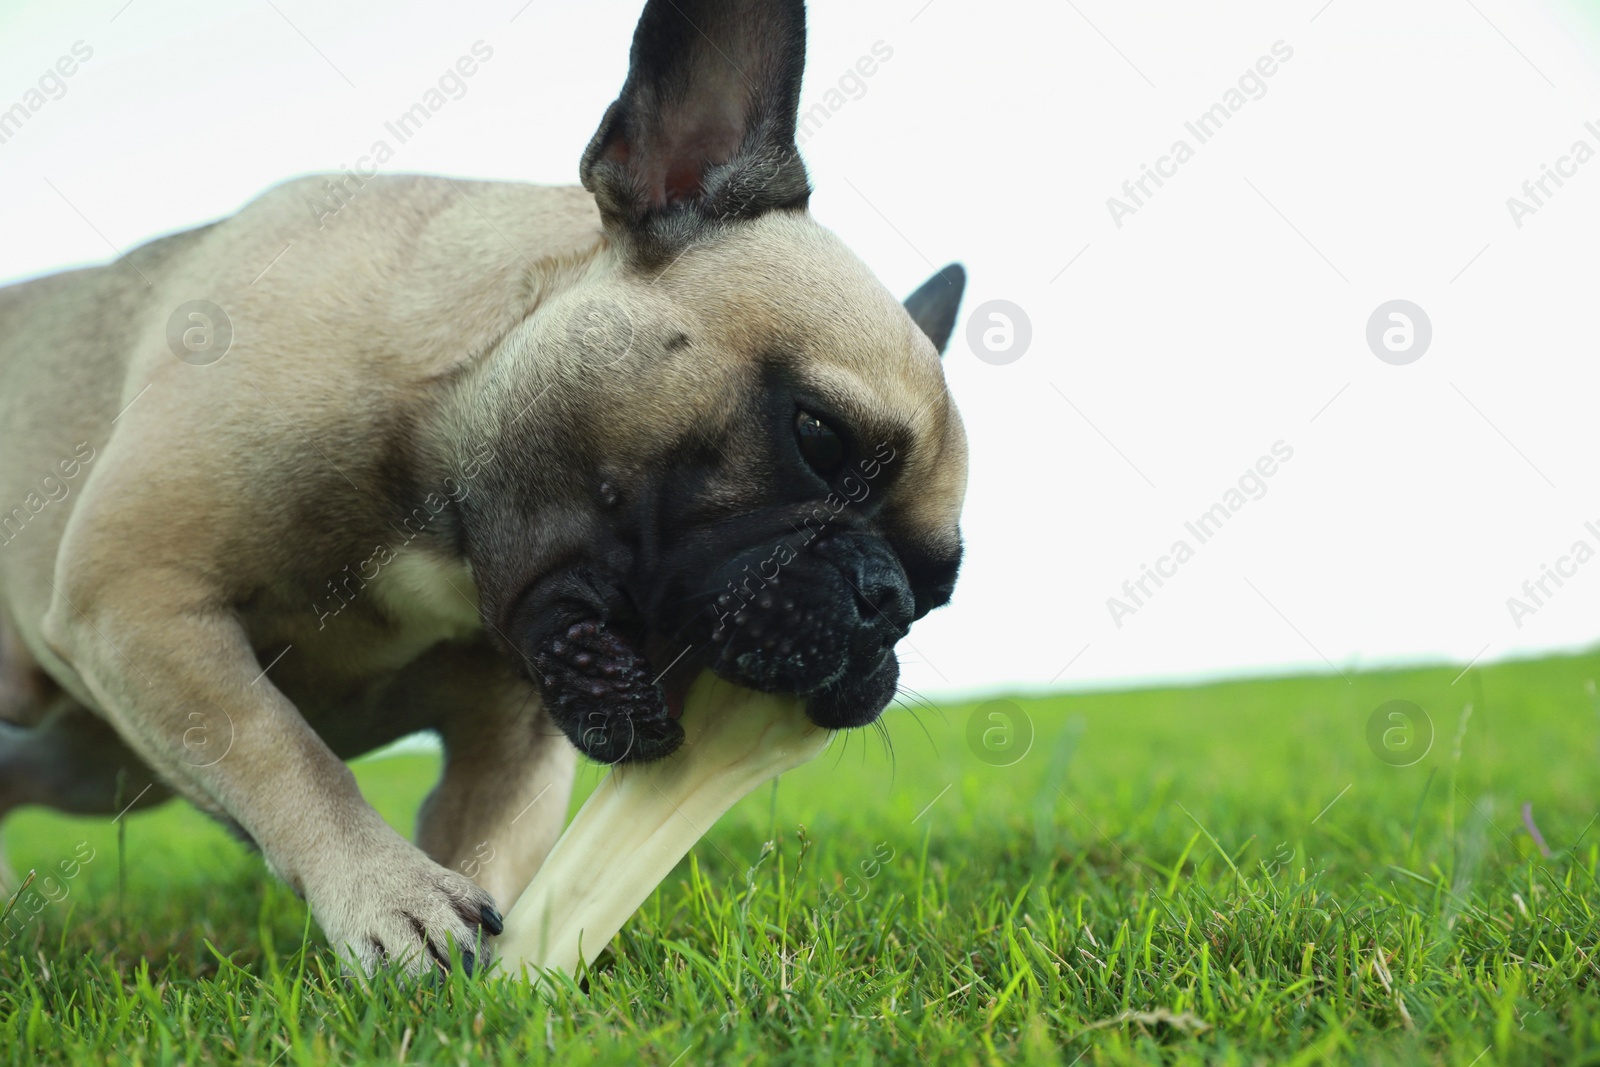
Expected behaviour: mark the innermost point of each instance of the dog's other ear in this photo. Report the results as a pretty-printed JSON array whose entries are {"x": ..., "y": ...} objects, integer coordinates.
[
  {"x": 934, "y": 305},
  {"x": 704, "y": 129}
]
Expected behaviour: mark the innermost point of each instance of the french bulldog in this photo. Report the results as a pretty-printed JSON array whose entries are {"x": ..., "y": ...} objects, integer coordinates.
[{"x": 509, "y": 463}]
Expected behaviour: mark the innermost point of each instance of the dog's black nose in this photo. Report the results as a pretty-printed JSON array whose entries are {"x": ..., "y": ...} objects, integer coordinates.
[{"x": 883, "y": 598}]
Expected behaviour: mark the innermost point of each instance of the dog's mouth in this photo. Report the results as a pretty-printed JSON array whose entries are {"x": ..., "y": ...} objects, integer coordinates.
[
  {"x": 675, "y": 672},
  {"x": 823, "y": 629},
  {"x": 841, "y": 662}
]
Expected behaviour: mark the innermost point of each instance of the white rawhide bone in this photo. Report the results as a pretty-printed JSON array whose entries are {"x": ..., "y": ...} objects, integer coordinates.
[{"x": 643, "y": 818}]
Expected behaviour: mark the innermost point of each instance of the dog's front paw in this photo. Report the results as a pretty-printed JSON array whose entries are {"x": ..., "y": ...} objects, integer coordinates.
[
  {"x": 598, "y": 688},
  {"x": 398, "y": 909}
]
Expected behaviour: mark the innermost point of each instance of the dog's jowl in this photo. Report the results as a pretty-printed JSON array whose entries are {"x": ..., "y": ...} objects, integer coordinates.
[{"x": 510, "y": 463}]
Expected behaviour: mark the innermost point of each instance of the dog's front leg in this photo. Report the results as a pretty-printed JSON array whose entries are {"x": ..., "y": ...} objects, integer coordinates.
[
  {"x": 501, "y": 802},
  {"x": 160, "y": 656}
]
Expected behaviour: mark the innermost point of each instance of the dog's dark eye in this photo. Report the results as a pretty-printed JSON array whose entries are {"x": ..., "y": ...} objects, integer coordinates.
[{"x": 820, "y": 446}]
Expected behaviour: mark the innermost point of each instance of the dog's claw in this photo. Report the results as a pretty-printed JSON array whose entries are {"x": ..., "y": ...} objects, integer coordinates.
[{"x": 409, "y": 916}]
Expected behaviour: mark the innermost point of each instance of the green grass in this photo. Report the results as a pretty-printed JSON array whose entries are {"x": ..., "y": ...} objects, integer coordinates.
[{"x": 1220, "y": 874}]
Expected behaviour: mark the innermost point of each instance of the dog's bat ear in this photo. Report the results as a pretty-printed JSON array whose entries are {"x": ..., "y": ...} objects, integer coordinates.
[
  {"x": 704, "y": 129},
  {"x": 935, "y": 303}
]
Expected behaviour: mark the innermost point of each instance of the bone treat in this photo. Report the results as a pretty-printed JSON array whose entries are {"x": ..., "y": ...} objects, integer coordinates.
[{"x": 643, "y": 818}]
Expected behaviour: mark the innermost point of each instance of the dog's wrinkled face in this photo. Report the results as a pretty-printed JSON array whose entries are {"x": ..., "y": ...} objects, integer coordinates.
[
  {"x": 803, "y": 512},
  {"x": 747, "y": 458}
]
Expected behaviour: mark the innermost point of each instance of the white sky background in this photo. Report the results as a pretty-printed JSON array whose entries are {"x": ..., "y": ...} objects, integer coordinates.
[{"x": 1225, "y": 315}]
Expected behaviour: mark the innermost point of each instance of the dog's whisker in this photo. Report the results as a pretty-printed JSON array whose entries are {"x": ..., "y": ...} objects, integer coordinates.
[{"x": 924, "y": 703}]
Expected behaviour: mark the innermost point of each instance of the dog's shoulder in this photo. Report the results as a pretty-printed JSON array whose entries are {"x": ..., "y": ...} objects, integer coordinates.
[{"x": 409, "y": 274}]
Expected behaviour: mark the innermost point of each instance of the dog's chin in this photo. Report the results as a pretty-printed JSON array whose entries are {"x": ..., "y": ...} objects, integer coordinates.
[{"x": 856, "y": 699}]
